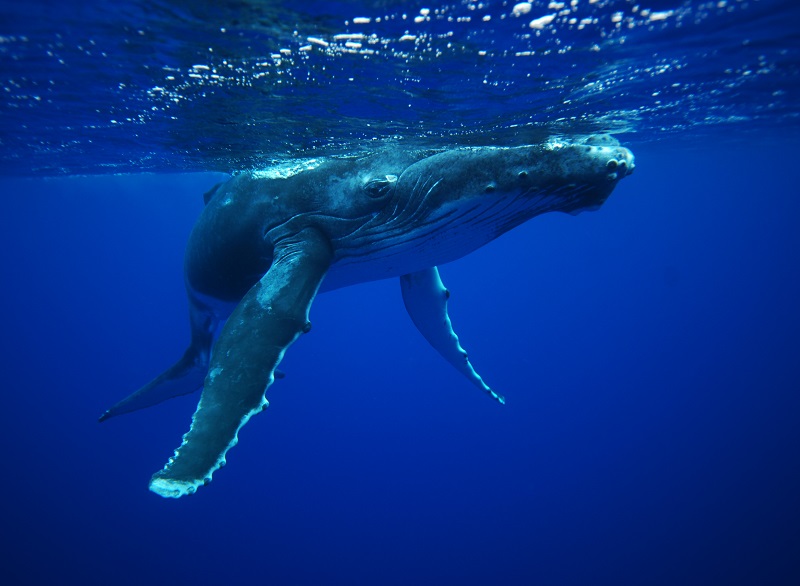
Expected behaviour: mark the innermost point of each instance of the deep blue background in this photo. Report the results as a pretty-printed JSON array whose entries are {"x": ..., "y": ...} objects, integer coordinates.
[{"x": 649, "y": 353}]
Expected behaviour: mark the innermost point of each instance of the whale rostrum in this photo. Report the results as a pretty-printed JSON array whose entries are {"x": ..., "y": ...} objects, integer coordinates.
[{"x": 268, "y": 241}]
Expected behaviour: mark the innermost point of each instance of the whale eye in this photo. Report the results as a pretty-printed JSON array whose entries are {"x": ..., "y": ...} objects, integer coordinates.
[{"x": 377, "y": 188}]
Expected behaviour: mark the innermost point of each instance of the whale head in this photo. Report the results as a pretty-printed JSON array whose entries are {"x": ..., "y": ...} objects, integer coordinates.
[
  {"x": 470, "y": 196},
  {"x": 433, "y": 209}
]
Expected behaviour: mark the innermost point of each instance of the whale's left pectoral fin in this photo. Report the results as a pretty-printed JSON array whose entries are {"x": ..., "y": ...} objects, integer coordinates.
[
  {"x": 269, "y": 318},
  {"x": 425, "y": 298}
]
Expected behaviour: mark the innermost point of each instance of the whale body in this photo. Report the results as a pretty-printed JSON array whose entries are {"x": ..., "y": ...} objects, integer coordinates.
[{"x": 268, "y": 241}]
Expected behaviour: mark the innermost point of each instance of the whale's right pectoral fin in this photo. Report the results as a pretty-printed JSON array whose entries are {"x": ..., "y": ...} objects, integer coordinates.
[
  {"x": 425, "y": 298},
  {"x": 182, "y": 378},
  {"x": 269, "y": 318}
]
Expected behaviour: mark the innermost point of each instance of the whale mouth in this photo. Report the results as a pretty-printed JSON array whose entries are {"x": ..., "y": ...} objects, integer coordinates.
[
  {"x": 621, "y": 164},
  {"x": 599, "y": 155}
]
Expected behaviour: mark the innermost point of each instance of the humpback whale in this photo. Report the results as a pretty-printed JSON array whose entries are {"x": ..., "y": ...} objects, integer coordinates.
[{"x": 268, "y": 241}]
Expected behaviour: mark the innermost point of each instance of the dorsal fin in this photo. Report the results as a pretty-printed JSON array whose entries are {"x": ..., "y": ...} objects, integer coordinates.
[{"x": 210, "y": 193}]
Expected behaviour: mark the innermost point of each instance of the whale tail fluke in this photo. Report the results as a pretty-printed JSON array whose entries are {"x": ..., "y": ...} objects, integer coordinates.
[{"x": 184, "y": 377}]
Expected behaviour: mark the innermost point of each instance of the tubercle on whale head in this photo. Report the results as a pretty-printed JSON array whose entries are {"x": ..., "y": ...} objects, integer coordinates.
[
  {"x": 598, "y": 157},
  {"x": 466, "y": 173},
  {"x": 597, "y": 163}
]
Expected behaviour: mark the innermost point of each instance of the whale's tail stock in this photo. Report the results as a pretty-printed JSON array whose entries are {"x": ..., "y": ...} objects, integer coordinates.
[{"x": 184, "y": 377}]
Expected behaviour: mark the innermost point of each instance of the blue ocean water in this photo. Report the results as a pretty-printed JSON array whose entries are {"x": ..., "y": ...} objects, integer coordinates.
[{"x": 648, "y": 351}]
